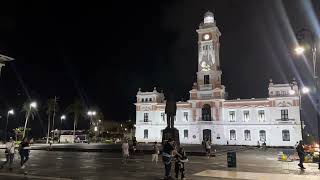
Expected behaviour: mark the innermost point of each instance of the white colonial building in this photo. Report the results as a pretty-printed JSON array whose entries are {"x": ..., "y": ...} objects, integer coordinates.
[{"x": 208, "y": 114}]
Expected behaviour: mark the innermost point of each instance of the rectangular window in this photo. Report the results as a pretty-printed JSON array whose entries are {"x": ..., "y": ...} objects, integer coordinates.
[
  {"x": 145, "y": 117},
  {"x": 284, "y": 114},
  {"x": 262, "y": 135},
  {"x": 285, "y": 135},
  {"x": 247, "y": 135},
  {"x": 185, "y": 134},
  {"x": 206, "y": 79},
  {"x": 232, "y": 135},
  {"x": 163, "y": 117},
  {"x": 232, "y": 116},
  {"x": 246, "y": 116},
  {"x": 185, "y": 116},
  {"x": 145, "y": 134},
  {"x": 261, "y": 115}
]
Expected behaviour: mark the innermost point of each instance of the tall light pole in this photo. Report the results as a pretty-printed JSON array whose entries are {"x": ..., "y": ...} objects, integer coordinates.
[
  {"x": 300, "y": 50},
  {"x": 91, "y": 114},
  {"x": 63, "y": 117},
  {"x": 31, "y": 105},
  {"x": 6, "y": 127},
  {"x": 302, "y": 91}
]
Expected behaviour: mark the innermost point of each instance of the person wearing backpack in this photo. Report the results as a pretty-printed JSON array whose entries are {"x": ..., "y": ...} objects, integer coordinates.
[{"x": 9, "y": 154}]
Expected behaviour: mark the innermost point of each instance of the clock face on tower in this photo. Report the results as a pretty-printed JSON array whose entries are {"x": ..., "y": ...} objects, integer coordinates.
[{"x": 206, "y": 37}]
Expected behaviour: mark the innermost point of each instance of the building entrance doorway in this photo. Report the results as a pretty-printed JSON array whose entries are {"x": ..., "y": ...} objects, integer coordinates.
[{"x": 206, "y": 134}]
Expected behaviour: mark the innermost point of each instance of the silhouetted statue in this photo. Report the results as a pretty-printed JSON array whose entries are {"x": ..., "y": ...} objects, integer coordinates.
[{"x": 170, "y": 110}]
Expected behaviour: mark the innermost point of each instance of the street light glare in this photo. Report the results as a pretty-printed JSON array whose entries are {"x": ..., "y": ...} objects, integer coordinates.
[
  {"x": 299, "y": 50},
  {"x": 96, "y": 128},
  {"x": 11, "y": 112},
  {"x": 305, "y": 90},
  {"x": 33, "y": 104},
  {"x": 291, "y": 92},
  {"x": 63, "y": 117}
]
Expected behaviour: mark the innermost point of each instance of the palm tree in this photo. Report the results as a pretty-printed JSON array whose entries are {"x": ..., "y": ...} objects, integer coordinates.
[
  {"x": 77, "y": 108},
  {"x": 19, "y": 132},
  {"x": 30, "y": 109},
  {"x": 52, "y": 107}
]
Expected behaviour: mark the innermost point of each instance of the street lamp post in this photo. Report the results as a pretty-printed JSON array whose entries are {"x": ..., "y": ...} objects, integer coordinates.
[
  {"x": 32, "y": 105},
  {"x": 6, "y": 127},
  {"x": 300, "y": 50},
  {"x": 91, "y": 114},
  {"x": 63, "y": 117}
]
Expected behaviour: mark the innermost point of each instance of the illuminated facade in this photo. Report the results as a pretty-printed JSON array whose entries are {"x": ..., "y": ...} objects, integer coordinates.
[{"x": 208, "y": 114}]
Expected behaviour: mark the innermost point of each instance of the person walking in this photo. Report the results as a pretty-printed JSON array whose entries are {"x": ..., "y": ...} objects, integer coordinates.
[
  {"x": 24, "y": 151},
  {"x": 179, "y": 163},
  {"x": 134, "y": 145},
  {"x": 9, "y": 154},
  {"x": 208, "y": 148},
  {"x": 125, "y": 151},
  {"x": 155, "y": 152},
  {"x": 301, "y": 154}
]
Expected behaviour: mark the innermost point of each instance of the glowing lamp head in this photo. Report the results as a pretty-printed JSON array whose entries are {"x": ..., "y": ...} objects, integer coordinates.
[
  {"x": 299, "y": 50},
  {"x": 291, "y": 92},
  {"x": 305, "y": 90},
  {"x": 33, "y": 105},
  {"x": 95, "y": 128},
  {"x": 11, "y": 112},
  {"x": 63, "y": 117}
]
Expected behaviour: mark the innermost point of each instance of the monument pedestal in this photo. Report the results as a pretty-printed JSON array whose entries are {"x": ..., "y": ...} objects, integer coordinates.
[{"x": 170, "y": 133}]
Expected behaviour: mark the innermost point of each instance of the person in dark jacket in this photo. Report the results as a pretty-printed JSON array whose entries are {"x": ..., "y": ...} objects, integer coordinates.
[
  {"x": 179, "y": 163},
  {"x": 24, "y": 150},
  {"x": 301, "y": 154}
]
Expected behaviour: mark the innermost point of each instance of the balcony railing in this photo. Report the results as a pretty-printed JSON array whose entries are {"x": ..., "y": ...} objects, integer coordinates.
[{"x": 206, "y": 87}]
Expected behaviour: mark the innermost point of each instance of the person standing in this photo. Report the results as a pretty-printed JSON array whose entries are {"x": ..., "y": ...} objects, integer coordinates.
[
  {"x": 9, "y": 154},
  {"x": 179, "y": 163},
  {"x": 134, "y": 144},
  {"x": 155, "y": 152},
  {"x": 301, "y": 154},
  {"x": 125, "y": 151},
  {"x": 208, "y": 148},
  {"x": 24, "y": 151},
  {"x": 168, "y": 153}
]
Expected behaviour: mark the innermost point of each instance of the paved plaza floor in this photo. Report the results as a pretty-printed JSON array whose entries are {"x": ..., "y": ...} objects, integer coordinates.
[{"x": 251, "y": 164}]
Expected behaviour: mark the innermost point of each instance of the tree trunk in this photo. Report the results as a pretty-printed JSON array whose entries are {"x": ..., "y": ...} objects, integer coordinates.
[
  {"x": 74, "y": 126},
  {"x": 48, "y": 133},
  {"x": 25, "y": 124}
]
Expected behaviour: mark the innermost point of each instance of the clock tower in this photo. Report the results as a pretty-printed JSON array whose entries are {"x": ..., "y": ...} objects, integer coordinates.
[{"x": 209, "y": 73}]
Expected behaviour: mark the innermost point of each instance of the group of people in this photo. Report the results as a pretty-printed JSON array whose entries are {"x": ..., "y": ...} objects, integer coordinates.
[{"x": 10, "y": 150}]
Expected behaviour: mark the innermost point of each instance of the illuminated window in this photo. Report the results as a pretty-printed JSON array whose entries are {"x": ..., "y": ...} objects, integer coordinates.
[
  {"x": 145, "y": 134},
  {"x": 284, "y": 114},
  {"x": 285, "y": 135},
  {"x": 145, "y": 117},
  {"x": 185, "y": 115},
  {"x": 246, "y": 116},
  {"x": 232, "y": 134},
  {"x": 185, "y": 133},
  {"x": 232, "y": 116},
  {"x": 247, "y": 135},
  {"x": 262, "y": 135},
  {"x": 261, "y": 115}
]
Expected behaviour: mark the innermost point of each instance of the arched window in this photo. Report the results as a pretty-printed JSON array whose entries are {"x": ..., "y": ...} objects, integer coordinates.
[
  {"x": 285, "y": 135},
  {"x": 185, "y": 133},
  {"x": 145, "y": 134},
  {"x": 150, "y": 99},
  {"x": 206, "y": 112},
  {"x": 142, "y": 100},
  {"x": 247, "y": 135},
  {"x": 233, "y": 135},
  {"x": 262, "y": 135}
]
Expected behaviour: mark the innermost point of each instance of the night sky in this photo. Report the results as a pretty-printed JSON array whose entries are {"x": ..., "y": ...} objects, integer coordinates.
[{"x": 103, "y": 52}]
